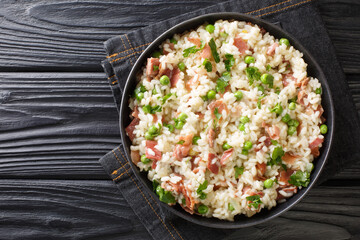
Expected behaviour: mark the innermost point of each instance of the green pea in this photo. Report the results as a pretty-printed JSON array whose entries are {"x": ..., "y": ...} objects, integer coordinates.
[
  {"x": 291, "y": 130},
  {"x": 284, "y": 41},
  {"x": 277, "y": 109},
  {"x": 245, "y": 152},
  {"x": 292, "y": 106},
  {"x": 242, "y": 127},
  {"x": 266, "y": 78},
  {"x": 156, "y": 54},
  {"x": 149, "y": 136},
  {"x": 323, "y": 129},
  {"x": 244, "y": 119},
  {"x": 230, "y": 207},
  {"x": 224, "y": 34},
  {"x": 182, "y": 117},
  {"x": 144, "y": 160},
  {"x": 179, "y": 125},
  {"x": 293, "y": 122},
  {"x": 268, "y": 183},
  {"x": 164, "y": 80},
  {"x": 202, "y": 209},
  {"x": 139, "y": 96},
  {"x": 249, "y": 59},
  {"x": 210, "y": 28},
  {"x": 226, "y": 146},
  {"x": 173, "y": 40},
  {"x": 261, "y": 88},
  {"x": 202, "y": 196},
  {"x": 286, "y": 118},
  {"x": 195, "y": 140},
  {"x": 181, "y": 66},
  {"x": 211, "y": 94},
  {"x": 318, "y": 91},
  {"x": 238, "y": 95},
  {"x": 247, "y": 145}
]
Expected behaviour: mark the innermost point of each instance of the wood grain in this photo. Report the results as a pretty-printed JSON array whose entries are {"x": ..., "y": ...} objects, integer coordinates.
[
  {"x": 44, "y": 36},
  {"x": 55, "y": 209},
  {"x": 55, "y": 124},
  {"x": 32, "y": 209}
]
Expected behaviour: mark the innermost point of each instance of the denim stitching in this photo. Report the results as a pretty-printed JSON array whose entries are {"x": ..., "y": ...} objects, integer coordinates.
[{"x": 143, "y": 194}]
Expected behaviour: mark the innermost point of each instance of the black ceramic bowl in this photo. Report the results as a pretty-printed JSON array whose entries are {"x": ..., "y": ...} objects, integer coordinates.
[{"x": 313, "y": 70}]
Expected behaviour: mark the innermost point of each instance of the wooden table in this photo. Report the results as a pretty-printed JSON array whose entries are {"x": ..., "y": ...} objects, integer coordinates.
[{"x": 57, "y": 118}]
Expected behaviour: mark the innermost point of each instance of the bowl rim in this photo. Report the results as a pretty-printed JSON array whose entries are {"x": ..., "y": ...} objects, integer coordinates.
[{"x": 212, "y": 17}]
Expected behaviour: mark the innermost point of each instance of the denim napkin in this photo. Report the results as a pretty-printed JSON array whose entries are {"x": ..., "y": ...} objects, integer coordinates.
[{"x": 301, "y": 19}]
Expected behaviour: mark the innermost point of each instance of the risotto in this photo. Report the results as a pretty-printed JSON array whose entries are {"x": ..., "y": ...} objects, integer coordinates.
[{"x": 226, "y": 120}]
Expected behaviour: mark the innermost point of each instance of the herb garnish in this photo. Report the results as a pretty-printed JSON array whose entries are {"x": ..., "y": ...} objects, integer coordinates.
[
  {"x": 252, "y": 74},
  {"x": 238, "y": 171},
  {"x": 276, "y": 157},
  {"x": 152, "y": 110},
  {"x": 193, "y": 49},
  {"x": 207, "y": 65},
  {"x": 217, "y": 114},
  {"x": 254, "y": 201},
  {"x": 214, "y": 51},
  {"x": 229, "y": 62},
  {"x": 300, "y": 179},
  {"x": 200, "y": 189},
  {"x": 165, "y": 98},
  {"x": 223, "y": 82}
]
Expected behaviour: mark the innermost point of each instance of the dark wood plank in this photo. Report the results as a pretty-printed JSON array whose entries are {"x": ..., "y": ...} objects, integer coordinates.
[
  {"x": 48, "y": 36},
  {"x": 55, "y": 124},
  {"x": 54, "y": 209},
  {"x": 35, "y": 209}
]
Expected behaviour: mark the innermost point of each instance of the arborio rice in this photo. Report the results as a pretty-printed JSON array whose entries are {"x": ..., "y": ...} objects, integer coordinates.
[{"x": 226, "y": 120}]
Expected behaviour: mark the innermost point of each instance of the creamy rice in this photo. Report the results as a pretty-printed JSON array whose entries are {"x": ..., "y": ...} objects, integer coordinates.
[{"x": 242, "y": 180}]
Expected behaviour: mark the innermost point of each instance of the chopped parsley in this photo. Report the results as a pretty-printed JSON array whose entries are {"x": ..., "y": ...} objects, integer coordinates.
[
  {"x": 165, "y": 98},
  {"x": 192, "y": 49},
  {"x": 252, "y": 74},
  {"x": 154, "y": 92},
  {"x": 170, "y": 127},
  {"x": 268, "y": 67},
  {"x": 152, "y": 110},
  {"x": 254, "y": 201},
  {"x": 277, "y": 90},
  {"x": 259, "y": 101},
  {"x": 214, "y": 52},
  {"x": 238, "y": 171},
  {"x": 276, "y": 157},
  {"x": 140, "y": 89},
  {"x": 217, "y": 114},
  {"x": 300, "y": 179},
  {"x": 229, "y": 62},
  {"x": 155, "y": 68},
  {"x": 181, "y": 142},
  {"x": 223, "y": 82},
  {"x": 207, "y": 65},
  {"x": 278, "y": 109},
  {"x": 200, "y": 190}
]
